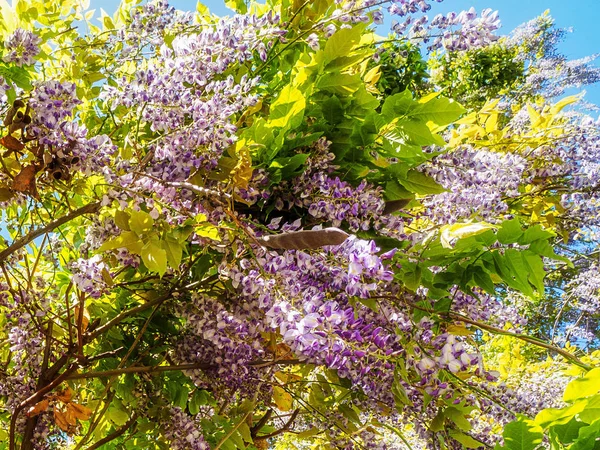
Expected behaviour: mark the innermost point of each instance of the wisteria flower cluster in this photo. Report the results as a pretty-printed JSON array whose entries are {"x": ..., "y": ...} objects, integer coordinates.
[
  {"x": 478, "y": 183},
  {"x": 21, "y": 47}
]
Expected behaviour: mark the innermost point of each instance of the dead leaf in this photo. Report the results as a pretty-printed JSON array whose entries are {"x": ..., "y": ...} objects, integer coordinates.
[
  {"x": 283, "y": 351},
  {"x": 39, "y": 407},
  {"x": 62, "y": 421},
  {"x": 301, "y": 240},
  {"x": 79, "y": 411},
  {"x": 25, "y": 181},
  {"x": 12, "y": 143},
  {"x": 85, "y": 319},
  {"x": 65, "y": 395}
]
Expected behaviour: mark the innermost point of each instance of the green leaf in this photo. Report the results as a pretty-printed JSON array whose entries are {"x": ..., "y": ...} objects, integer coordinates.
[
  {"x": 418, "y": 133},
  {"x": 588, "y": 437},
  {"x": 208, "y": 230},
  {"x": 245, "y": 432},
  {"x": 401, "y": 398},
  {"x": 535, "y": 233},
  {"x": 18, "y": 75},
  {"x": 350, "y": 414},
  {"x": 154, "y": 257},
  {"x": 506, "y": 272},
  {"x": 287, "y": 111},
  {"x": 522, "y": 434},
  {"x": 458, "y": 418},
  {"x": 127, "y": 239},
  {"x": 568, "y": 432},
  {"x": 116, "y": 414},
  {"x": 174, "y": 251},
  {"x": 285, "y": 168},
  {"x": 441, "y": 111},
  {"x": 536, "y": 272},
  {"x": 451, "y": 233},
  {"x": 419, "y": 183},
  {"x": 519, "y": 268},
  {"x": 397, "y": 105},
  {"x": 341, "y": 43},
  {"x": 140, "y": 222},
  {"x": 238, "y": 6},
  {"x": 465, "y": 439},
  {"x": 333, "y": 111},
  {"x": 510, "y": 232},
  {"x": 122, "y": 220},
  {"x": 339, "y": 83},
  {"x": 591, "y": 411},
  {"x": 483, "y": 280},
  {"x": 308, "y": 433},
  {"x": 583, "y": 387},
  {"x": 554, "y": 416},
  {"x": 394, "y": 191}
]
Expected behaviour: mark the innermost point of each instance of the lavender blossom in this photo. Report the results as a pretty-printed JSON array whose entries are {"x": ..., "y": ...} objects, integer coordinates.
[{"x": 22, "y": 46}]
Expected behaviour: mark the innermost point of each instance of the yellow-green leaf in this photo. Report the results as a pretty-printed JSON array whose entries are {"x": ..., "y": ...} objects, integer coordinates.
[
  {"x": 583, "y": 387},
  {"x": 283, "y": 400},
  {"x": 451, "y": 233},
  {"x": 154, "y": 257},
  {"x": 127, "y": 239},
  {"x": 140, "y": 222}
]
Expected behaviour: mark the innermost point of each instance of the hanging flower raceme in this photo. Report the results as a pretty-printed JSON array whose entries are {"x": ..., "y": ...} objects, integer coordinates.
[{"x": 21, "y": 47}]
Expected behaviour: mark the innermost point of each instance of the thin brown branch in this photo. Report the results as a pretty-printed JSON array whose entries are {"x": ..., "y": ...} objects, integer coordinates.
[
  {"x": 285, "y": 428},
  {"x": 171, "y": 368},
  {"x": 115, "y": 434},
  {"x": 33, "y": 234},
  {"x": 34, "y": 398}
]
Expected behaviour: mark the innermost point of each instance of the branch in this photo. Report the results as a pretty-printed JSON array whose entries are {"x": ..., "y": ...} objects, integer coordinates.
[
  {"x": 483, "y": 326},
  {"x": 158, "y": 369},
  {"x": 115, "y": 434},
  {"x": 23, "y": 241},
  {"x": 34, "y": 398},
  {"x": 285, "y": 428}
]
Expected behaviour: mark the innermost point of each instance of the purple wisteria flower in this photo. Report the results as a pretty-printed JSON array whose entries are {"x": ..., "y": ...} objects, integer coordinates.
[
  {"x": 183, "y": 431},
  {"x": 52, "y": 102},
  {"x": 87, "y": 275},
  {"x": 21, "y": 47},
  {"x": 477, "y": 180}
]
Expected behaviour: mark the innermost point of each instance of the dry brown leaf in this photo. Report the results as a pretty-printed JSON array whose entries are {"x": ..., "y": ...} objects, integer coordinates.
[
  {"x": 283, "y": 351},
  {"x": 65, "y": 395},
  {"x": 79, "y": 411},
  {"x": 85, "y": 319},
  {"x": 61, "y": 421},
  {"x": 39, "y": 407},
  {"x": 12, "y": 143},
  {"x": 300, "y": 240},
  {"x": 25, "y": 181}
]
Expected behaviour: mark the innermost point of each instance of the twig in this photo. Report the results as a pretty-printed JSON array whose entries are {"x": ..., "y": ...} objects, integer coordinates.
[
  {"x": 115, "y": 434},
  {"x": 22, "y": 242},
  {"x": 285, "y": 428},
  {"x": 171, "y": 368}
]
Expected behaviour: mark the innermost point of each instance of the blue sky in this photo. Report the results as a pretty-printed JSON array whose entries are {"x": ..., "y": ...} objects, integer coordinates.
[{"x": 583, "y": 16}]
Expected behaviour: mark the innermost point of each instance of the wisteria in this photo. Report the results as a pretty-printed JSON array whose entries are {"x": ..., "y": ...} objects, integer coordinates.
[
  {"x": 21, "y": 47},
  {"x": 478, "y": 184},
  {"x": 244, "y": 232}
]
